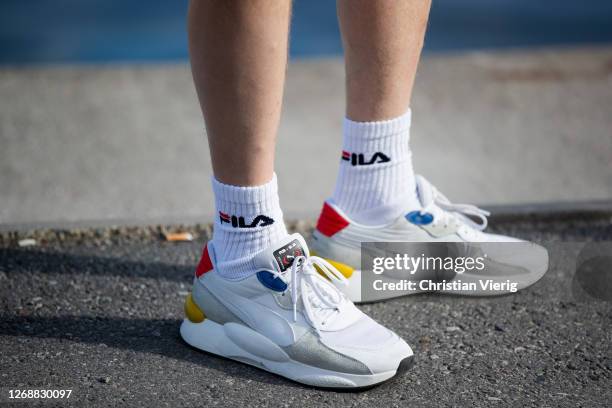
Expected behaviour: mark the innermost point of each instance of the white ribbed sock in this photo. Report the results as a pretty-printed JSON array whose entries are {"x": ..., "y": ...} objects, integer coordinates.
[
  {"x": 376, "y": 181},
  {"x": 248, "y": 220}
]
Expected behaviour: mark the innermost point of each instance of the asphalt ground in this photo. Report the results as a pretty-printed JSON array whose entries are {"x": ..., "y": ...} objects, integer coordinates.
[{"x": 98, "y": 310}]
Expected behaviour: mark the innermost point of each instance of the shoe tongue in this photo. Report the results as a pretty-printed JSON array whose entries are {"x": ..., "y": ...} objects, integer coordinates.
[{"x": 280, "y": 255}]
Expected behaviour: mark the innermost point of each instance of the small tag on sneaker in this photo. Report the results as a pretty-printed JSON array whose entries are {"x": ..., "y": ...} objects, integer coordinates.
[{"x": 286, "y": 254}]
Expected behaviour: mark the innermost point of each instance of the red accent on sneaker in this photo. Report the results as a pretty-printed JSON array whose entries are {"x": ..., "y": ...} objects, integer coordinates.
[
  {"x": 330, "y": 221},
  {"x": 205, "y": 264}
]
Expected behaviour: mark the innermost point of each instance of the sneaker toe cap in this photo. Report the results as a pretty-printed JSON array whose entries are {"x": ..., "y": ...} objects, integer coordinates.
[{"x": 380, "y": 349}]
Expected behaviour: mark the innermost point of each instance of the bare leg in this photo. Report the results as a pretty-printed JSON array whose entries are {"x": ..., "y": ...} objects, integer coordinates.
[
  {"x": 382, "y": 44},
  {"x": 238, "y": 57}
]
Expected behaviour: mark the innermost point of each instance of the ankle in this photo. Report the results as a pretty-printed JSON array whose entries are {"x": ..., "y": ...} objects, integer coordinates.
[
  {"x": 376, "y": 181},
  {"x": 248, "y": 220}
]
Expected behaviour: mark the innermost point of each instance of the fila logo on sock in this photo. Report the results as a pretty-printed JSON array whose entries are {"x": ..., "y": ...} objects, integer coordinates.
[
  {"x": 358, "y": 159},
  {"x": 239, "y": 222}
]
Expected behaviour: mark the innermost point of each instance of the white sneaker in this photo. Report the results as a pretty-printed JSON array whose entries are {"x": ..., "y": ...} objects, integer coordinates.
[
  {"x": 338, "y": 240},
  {"x": 288, "y": 319}
]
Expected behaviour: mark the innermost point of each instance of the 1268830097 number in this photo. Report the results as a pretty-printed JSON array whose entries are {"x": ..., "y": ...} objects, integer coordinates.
[{"x": 34, "y": 394}]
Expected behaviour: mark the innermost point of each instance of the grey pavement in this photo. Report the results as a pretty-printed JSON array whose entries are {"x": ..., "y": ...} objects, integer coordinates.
[
  {"x": 127, "y": 142},
  {"x": 98, "y": 311}
]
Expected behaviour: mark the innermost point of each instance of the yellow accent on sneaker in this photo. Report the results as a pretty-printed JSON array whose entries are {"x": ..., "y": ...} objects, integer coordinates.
[
  {"x": 344, "y": 269},
  {"x": 192, "y": 311}
]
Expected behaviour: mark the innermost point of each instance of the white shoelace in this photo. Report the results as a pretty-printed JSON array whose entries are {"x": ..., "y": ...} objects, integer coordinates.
[
  {"x": 430, "y": 197},
  {"x": 304, "y": 276}
]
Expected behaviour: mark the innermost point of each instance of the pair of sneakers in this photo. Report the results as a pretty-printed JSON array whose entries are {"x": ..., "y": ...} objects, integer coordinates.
[{"x": 295, "y": 316}]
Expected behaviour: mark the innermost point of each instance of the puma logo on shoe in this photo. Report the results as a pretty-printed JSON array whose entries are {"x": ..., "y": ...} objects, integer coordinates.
[
  {"x": 239, "y": 222},
  {"x": 358, "y": 159}
]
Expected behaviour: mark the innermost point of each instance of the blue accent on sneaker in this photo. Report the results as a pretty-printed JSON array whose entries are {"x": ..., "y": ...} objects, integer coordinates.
[
  {"x": 269, "y": 281},
  {"x": 418, "y": 218}
]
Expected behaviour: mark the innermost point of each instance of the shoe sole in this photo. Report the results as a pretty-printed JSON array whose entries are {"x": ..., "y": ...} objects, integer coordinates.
[{"x": 256, "y": 350}]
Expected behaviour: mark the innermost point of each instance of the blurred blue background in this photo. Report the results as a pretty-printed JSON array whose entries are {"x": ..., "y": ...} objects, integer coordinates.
[{"x": 56, "y": 31}]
